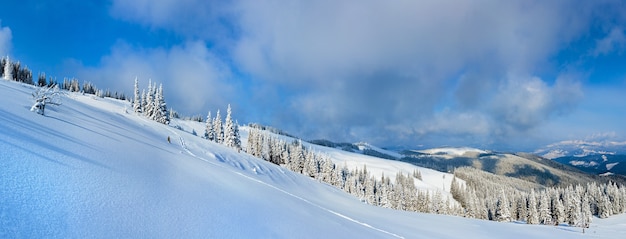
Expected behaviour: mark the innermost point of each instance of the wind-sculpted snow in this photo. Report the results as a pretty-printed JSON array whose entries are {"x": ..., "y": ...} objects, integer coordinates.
[{"x": 91, "y": 168}]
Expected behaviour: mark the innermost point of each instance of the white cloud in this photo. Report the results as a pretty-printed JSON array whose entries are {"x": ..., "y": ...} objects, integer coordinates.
[
  {"x": 370, "y": 69},
  {"x": 195, "y": 78},
  {"x": 615, "y": 41},
  {"x": 5, "y": 40},
  {"x": 525, "y": 102}
]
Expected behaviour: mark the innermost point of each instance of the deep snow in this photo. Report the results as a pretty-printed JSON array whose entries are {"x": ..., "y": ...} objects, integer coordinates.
[{"x": 92, "y": 169}]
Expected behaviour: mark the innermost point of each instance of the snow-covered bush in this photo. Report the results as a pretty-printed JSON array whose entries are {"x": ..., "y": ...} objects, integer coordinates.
[{"x": 43, "y": 96}]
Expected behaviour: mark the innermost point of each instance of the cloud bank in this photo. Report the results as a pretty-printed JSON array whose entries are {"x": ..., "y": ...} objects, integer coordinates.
[
  {"x": 5, "y": 40},
  {"x": 386, "y": 72}
]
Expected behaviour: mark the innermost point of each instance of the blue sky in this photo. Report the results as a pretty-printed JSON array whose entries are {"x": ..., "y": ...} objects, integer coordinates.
[{"x": 507, "y": 75}]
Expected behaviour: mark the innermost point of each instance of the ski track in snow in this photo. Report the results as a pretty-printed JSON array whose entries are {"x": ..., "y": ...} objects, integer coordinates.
[{"x": 184, "y": 147}]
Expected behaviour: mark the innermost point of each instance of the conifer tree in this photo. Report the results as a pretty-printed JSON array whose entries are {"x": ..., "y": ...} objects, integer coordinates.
[
  {"x": 41, "y": 79},
  {"x": 217, "y": 126},
  {"x": 503, "y": 213},
  {"x": 230, "y": 136},
  {"x": 533, "y": 214},
  {"x": 559, "y": 212},
  {"x": 209, "y": 133},
  {"x": 586, "y": 215},
  {"x": 237, "y": 137},
  {"x": 144, "y": 101},
  {"x": 160, "y": 113},
  {"x": 137, "y": 99},
  {"x": 8, "y": 69},
  {"x": 573, "y": 207},
  {"x": 148, "y": 109},
  {"x": 545, "y": 216}
]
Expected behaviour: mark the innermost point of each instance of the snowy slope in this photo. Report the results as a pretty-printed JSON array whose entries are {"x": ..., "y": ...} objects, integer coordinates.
[{"x": 89, "y": 169}]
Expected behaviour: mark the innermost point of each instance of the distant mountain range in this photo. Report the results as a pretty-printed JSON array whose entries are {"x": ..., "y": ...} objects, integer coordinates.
[
  {"x": 534, "y": 168},
  {"x": 595, "y": 157}
]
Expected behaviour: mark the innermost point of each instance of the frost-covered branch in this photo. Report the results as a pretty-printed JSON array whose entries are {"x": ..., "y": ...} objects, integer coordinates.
[{"x": 50, "y": 95}]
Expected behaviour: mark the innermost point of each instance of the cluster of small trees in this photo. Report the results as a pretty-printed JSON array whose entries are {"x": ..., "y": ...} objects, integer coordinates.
[
  {"x": 226, "y": 133},
  {"x": 151, "y": 103},
  {"x": 15, "y": 72},
  {"x": 574, "y": 205},
  {"x": 401, "y": 194}
]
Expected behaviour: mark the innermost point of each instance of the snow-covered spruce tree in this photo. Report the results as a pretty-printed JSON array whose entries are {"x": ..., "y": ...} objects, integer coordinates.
[
  {"x": 46, "y": 96},
  {"x": 573, "y": 206},
  {"x": 8, "y": 69},
  {"x": 209, "y": 133},
  {"x": 503, "y": 213},
  {"x": 2, "y": 64},
  {"x": 533, "y": 213},
  {"x": 230, "y": 136},
  {"x": 237, "y": 136},
  {"x": 137, "y": 98},
  {"x": 559, "y": 212},
  {"x": 586, "y": 215},
  {"x": 545, "y": 215},
  {"x": 144, "y": 102},
  {"x": 41, "y": 79},
  {"x": 148, "y": 108},
  {"x": 219, "y": 130},
  {"x": 160, "y": 114}
]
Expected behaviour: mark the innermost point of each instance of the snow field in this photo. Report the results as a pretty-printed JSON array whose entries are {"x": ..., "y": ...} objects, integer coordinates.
[{"x": 92, "y": 169}]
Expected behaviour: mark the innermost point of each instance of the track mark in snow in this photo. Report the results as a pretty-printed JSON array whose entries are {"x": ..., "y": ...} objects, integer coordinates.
[
  {"x": 320, "y": 207},
  {"x": 184, "y": 146}
]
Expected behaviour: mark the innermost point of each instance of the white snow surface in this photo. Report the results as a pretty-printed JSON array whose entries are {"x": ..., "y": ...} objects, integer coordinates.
[
  {"x": 555, "y": 153},
  {"x": 452, "y": 151},
  {"x": 91, "y": 168},
  {"x": 609, "y": 166},
  {"x": 363, "y": 146}
]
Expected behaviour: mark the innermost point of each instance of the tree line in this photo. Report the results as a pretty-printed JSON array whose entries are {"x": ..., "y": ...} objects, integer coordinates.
[
  {"x": 14, "y": 71},
  {"x": 226, "y": 133},
  {"x": 151, "y": 103},
  {"x": 400, "y": 193},
  {"x": 503, "y": 200},
  {"x": 483, "y": 195}
]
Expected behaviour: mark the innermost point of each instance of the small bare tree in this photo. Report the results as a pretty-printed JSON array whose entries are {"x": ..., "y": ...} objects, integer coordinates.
[{"x": 47, "y": 95}]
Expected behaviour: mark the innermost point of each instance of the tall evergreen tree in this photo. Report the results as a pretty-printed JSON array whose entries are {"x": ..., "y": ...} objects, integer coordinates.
[
  {"x": 217, "y": 125},
  {"x": 545, "y": 216},
  {"x": 209, "y": 133},
  {"x": 559, "y": 211},
  {"x": 160, "y": 114},
  {"x": 229, "y": 130},
  {"x": 533, "y": 214},
  {"x": 148, "y": 108},
  {"x": 137, "y": 99},
  {"x": 586, "y": 215},
  {"x": 237, "y": 138},
  {"x": 8, "y": 69},
  {"x": 503, "y": 213}
]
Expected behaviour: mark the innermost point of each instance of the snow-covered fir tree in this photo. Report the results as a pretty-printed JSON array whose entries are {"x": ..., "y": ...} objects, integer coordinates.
[
  {"x": 217, "y": 126},
  {"x": 503, "y": 213},
  {"x": 161, "y": 115},
  {"x": 209, "y": 132},
  {"x": 231, "y": 133},
  {"x": 137, "y": 97},
  {"x": 8, "y": 69},
  {"x": 545, "y": 214},
  {"x": 148, "y": 109},
  {"x": 586, "y": 215},
  {"x": 237, "y": 136},
  {"x": 533, "y": 213},
  {"x": 144, "y": 101}
]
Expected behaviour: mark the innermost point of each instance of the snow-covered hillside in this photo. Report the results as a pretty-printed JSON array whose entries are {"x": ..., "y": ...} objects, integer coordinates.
[{"x": 92, "y": 169}]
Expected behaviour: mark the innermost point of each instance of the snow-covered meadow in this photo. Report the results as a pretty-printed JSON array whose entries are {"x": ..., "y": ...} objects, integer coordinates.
[{"x": 91, "y": 168}]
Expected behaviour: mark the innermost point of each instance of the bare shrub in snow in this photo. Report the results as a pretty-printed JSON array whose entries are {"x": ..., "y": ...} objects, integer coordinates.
[{"x": 50, "y": 95}]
